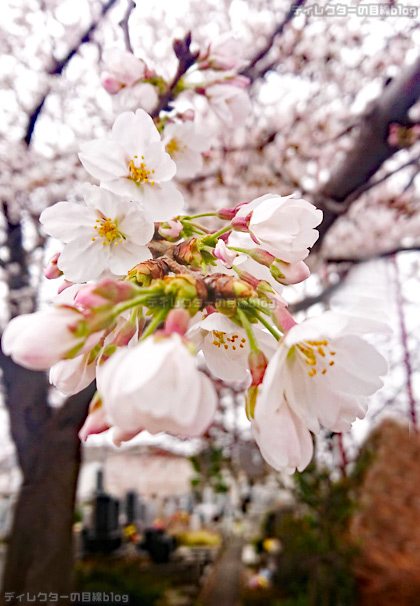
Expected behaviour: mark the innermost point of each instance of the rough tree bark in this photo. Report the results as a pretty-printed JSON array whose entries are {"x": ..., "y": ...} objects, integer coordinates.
[{"x": 40, "y": 553}]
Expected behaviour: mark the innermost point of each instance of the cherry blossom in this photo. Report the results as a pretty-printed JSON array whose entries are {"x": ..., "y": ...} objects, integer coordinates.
[
  {"x": 121, "y": 69},
  {"x": 41, "y": 339},
  {"x": 133, "y": 163},
  {"x": 283, "y": 439},
  {"x": 71, "y": 376},
  {"x": 225, "y": 346},
  {"x": 156, "y": 386},
  {"x": 230, "y": 103},
  {"x": 224, "y": 53},
  {"x": 108, "y": 234},
  {"x": 285, "y": 227},
  {"x": 185, "y": 146},
  {"x": 324, "y": 370}
]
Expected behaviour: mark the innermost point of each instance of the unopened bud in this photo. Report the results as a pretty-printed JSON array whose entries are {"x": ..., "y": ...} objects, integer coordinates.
[
  {"x": 248, "y": 278},
  {"x": 106, "y": 293},
  {"x": 187, "y": 253},
  {"x": 170, "y": 229},
  {"x": 257, "y": 365},
  {"x": 147, "y": 271},
  {"x": 125, "y": 333},
  {"x": 110, "y": 84},
  {"x": 261, "y": 256},
  {"x": 289, "y": 273},
  {"x": 177, "y": 321},
  {"x": 283, "y": 319},
  {"x": 242, "y": 289},
  {"x": 241, "y": 223},
  {"x": 227, "y": 213},
  {"x": 51, "y": 270},
  {"x": 64, "y": 285}
]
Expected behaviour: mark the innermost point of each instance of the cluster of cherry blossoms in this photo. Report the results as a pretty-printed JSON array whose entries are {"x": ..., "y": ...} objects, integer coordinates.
[{"x": 154, "y": 303}]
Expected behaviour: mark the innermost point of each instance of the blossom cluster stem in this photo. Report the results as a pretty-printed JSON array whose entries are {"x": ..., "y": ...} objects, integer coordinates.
[
  {"x": 118, "y": 309},
  {"x": 248, "y": 329},
  {"x": 265, "y": 323},
  {"x": 154, "y": 323},
  {"x": 212, "y": 237},
  {"x": 189, "y": 217},
  {"x": 197, "y": 228}
]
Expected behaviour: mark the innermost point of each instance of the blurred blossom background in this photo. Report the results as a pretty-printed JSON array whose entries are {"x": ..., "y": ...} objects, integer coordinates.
[{"x": 335, "y": 117}]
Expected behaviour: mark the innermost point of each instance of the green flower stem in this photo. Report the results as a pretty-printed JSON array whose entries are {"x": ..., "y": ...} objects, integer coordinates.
[
  {"x": 267, "y": 324},
  {"x": 255, "y": 303},
  {"x": 199, "y": 229},
  {"x": 212, "y": 237},
  {"x": 154, "y": 323},
  {"x": 241, "y": 250},
  {"x": 248, "y": 329},
  {"x": 189, "y": 217},
  {"x": 131, "y": 303}
]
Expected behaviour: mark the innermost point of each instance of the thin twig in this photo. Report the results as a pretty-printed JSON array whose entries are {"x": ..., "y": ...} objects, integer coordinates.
[
  {"x": 185, "y": 60},
  {"x": 124, "y": 25},
  {"x": 58, "y": 68},
  {"x": 248, "y": 71}
]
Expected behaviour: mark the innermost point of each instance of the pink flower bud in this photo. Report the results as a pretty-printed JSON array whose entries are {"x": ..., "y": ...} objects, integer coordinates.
[
  {"x": 124, "y": 334},
  {"x": 170, "y": 229},
  {"x": 41, "y": 339},
  {"x": 177, "y": 321},
  {"x": 289, "y": 273},
  {"x": 110, "y": 84},
  {"x": 108, "y": 292},
  {"x": 51, "y": 271},
  {"x": 257, "y": 365},
  {"x": 241, "y": 223},
  {"x": 283, "y": 318},
  {"x": 262, "y": 256},
  {"x": 95, "y": 422},
  {"x": 226, "y": 213}
]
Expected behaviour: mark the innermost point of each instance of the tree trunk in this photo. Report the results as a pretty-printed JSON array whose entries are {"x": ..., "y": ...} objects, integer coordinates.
[{"x": 39, "y": 557}]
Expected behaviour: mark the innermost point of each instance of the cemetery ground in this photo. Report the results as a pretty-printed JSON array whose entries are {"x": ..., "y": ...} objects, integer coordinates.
[
  {"x": 335, "y": 541},
  {"x": 349, "y": 540}
]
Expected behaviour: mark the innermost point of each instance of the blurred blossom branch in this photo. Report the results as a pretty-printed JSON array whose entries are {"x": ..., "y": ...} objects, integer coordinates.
[
  {"x": 125, "y": 26},
  {"x": 59, "y": 65},
  {"x": 251, "y": 71},
  {"x": 186, "y": 59},
  {"x": 370, "y": 148}
]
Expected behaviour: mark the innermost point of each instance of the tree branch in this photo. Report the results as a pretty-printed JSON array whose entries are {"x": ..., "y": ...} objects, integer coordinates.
[
  {"x": 124, "y": 25},
  {"x": 60, "y": 65},
  {"x": 185, "y": 60},
  {"x": 370, "y": 148},
  {"x": 249, "y": 71}
]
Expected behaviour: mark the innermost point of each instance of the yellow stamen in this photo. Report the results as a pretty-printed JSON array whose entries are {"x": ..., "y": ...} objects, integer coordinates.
[
  {"x": 221, "y": 338},
  {"x": 139, "y": 174},
  {"x": 312, "y": 353},
  {"x": 108, "y": 231}
]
